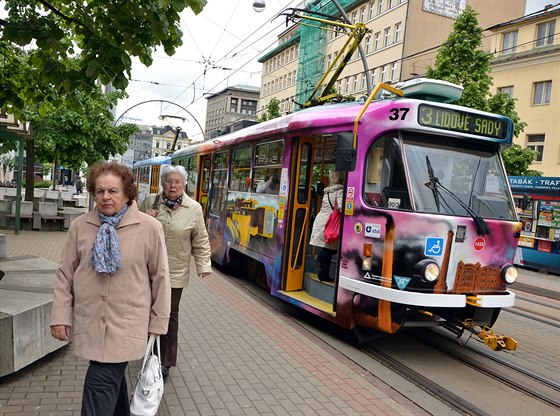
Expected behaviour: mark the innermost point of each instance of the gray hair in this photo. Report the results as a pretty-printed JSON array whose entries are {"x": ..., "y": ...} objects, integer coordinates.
[
  {"x": 335, "y": 177},
  {"x": 167, "y": 169}
]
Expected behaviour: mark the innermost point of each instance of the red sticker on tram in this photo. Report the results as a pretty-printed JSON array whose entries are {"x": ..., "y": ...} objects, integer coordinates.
[{"x": 479, "y": 244}]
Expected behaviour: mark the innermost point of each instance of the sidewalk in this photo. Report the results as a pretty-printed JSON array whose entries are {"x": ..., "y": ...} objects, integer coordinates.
[{"x": 237, "y": 356}]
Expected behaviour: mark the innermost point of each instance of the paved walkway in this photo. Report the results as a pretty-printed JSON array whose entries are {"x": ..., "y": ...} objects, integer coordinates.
[{"x": 237, "y": 356}]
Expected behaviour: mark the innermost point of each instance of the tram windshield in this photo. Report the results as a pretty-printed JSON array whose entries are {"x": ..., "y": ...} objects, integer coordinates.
[{"x": 461, "y": 178}]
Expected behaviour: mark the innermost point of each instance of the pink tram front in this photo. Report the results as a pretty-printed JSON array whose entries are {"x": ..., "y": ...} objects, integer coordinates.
[{"x": 429, "y": 228}]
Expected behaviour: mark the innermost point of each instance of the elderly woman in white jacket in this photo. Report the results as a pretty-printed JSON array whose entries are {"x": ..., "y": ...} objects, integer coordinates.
[
  {"x": 332, "y": 198},
  {"x": 185, "y": 235}
]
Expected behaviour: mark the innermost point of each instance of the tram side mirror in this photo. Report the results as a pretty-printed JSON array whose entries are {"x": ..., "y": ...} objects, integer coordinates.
[{"x": 345, "y": 152}]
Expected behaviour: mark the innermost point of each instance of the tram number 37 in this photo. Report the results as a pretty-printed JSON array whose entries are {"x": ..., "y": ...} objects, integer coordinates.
[{"x": 398, "y": 113}]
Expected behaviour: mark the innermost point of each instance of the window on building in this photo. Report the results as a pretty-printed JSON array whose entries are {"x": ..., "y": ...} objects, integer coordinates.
[
  {"x": 383, "y": 73},
  {"x": 506, "y": 90},
  {"x": 394, "y": 76},
  {"x": 354, "y": 17},
  {"x": 371, "y": 10},
  {"x": 364, "y": 81},
  {"x": 374, "y": 76},
  {"x": 541, "y": 92},
  {"x": 387, "y": 37},
  {"x": 376, "y": 39},
  {"x": 355, "y": 88},
  {"x": 536, "y": 143},
  {"x": 380, "y": 7},
  {"x": 398, "y": 32},
  {"x": 329, "y": 60},
  {"x": 168, "y": 146},
  {"x": 157, "y": 145},
  {"x": 362, "y": 14},
  {"x": 509, "y": 42},
  {"x": 347, "y": 87},
  {"x": 368, "y": 44},
  {"x": 545, "y": 33}
]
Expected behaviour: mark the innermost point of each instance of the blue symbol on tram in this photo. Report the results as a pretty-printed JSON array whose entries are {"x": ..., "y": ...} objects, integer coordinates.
[{"x": 434, "y": 246}]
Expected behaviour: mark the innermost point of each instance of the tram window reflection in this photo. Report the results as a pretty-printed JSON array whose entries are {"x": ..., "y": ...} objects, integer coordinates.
[{"x": 240, "y": 176}]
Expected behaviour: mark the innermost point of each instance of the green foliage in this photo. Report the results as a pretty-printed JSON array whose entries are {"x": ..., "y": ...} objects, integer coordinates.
[
  {"x": 517, "y": 160},
  {"x": 272, "y": 110},
  {"x": 72, "y": 136},
  {"x": 461, "y": 60},
  {"x": 75, "y": 44},
  {"x": 42, "y": 184}
]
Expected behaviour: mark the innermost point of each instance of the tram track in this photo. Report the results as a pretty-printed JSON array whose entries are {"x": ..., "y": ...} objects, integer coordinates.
[
  {"x": 539, "y": 387},
  {"x": 443, "y": 374}
]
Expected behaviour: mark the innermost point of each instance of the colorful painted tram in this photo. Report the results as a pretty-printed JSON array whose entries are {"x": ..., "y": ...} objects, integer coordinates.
[{"x": 429, "y": 227}]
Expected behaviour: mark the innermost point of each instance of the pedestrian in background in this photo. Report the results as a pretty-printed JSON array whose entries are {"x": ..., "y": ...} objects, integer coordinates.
[
  {"x": 332, "y": 198},
  {"x": 79, "y": 185},
  {"x": 112, "y": 287},
  {"x": 185, "y": 236}
]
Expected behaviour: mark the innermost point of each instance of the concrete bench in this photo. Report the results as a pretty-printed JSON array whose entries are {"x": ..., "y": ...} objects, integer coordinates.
[
  {"x": 25, "y": 222},
  {"x": 26, "y": 289},
  {"x": 48, "y": 222}
]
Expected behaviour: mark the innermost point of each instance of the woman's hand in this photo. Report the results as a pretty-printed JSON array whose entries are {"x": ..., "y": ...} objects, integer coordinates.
[
  {"x": 152, "y": 212},
  {"x": 60, "y": 332},
  {"x": 203, "y": 275}
]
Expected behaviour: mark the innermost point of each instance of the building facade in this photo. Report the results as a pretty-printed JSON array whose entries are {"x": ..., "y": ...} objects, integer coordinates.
[
  {"x": 403, "y": 42},
  {"x": 163, "y": 138},
  {"x": 526, "y": 66},
  {"x": 227, "y": 108}
]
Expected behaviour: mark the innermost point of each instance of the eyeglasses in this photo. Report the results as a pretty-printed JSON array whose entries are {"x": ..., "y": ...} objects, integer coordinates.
[{"x": 176, "y": 183}]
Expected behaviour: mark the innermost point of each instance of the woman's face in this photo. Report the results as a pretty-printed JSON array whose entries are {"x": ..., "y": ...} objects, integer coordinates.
[
  {"x": 109, "y": 194},
  {"x": 173, "y": 185}
]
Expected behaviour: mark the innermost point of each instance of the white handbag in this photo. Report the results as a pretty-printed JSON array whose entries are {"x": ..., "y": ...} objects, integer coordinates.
[{"x": 148, "y": 390}]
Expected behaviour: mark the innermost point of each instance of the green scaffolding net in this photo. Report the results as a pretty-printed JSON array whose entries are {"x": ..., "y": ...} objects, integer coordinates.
[{"x": 312, "y": 48}]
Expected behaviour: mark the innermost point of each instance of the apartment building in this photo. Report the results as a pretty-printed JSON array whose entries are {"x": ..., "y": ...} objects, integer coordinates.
[
  {"x": 232, "y": 106},
  {"x": 403, "y": 42},
  {"x": 527, "y": 67},
  {"x": 163, "y": 138}
]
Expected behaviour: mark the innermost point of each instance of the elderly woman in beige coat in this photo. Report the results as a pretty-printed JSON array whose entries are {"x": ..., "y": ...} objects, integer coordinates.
[
  {"x": 332, "y": 198},
  {"x": 185, "y": 236},
  {"x": 112, "y": 287}
]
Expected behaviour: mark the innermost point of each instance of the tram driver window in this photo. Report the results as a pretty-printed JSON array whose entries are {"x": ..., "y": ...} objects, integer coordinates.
[
  {"x": 385, "y": 184},
  {"x": 268, "y": 167}
]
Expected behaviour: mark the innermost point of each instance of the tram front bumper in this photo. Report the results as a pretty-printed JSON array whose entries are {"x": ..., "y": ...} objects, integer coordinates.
[{"x": 424, "y": 299}]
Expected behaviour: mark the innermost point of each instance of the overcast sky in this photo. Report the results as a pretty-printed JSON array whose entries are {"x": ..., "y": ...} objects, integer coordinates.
[{"x": 220, "y": 48}]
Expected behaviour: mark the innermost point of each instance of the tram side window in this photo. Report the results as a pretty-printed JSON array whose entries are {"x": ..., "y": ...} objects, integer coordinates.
[
  {"x": 192, "y": 172},
  {"x": 385, "y": 182},
  {"x": 268, "y": 167},
  {"x": 240, "y": 176},
  {"x": 219, "y": 179}
]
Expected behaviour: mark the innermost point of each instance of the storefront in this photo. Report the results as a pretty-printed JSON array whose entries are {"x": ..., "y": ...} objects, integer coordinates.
[{"x": 538, "y": 205}]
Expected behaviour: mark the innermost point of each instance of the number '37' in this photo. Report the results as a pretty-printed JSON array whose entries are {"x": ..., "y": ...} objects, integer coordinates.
[{"x": 398, "y": 113}]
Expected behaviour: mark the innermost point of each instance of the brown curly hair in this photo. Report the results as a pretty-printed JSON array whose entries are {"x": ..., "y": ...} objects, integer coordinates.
[{"x": 114, "y": 168}]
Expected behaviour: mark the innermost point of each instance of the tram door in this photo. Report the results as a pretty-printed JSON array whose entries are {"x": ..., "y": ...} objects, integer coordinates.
[
  {"x": 300, "y": 195},
  {"x": 203, "y": 181},
  {"x": 155, "y": 179}
]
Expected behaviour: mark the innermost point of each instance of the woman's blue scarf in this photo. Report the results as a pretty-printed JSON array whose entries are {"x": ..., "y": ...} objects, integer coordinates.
[{"x": 106, "y": 253}]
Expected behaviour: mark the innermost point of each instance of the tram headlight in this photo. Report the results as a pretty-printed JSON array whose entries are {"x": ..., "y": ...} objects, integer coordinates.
[
  {"x": 427, "y": 270},
  {"x": 510, "y": 274}
]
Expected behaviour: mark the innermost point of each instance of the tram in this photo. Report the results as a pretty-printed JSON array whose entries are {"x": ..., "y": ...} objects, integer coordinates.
[
  {"x": 146, "y": 174},
  {"x": 429, "y": 228}
]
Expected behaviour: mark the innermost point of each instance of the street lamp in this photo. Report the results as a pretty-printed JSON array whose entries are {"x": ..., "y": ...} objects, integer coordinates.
[{"x": 258, "y": 5}]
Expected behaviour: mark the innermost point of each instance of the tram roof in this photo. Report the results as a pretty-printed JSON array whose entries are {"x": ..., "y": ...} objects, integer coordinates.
[
  {"x": 339, "y": 117},
  {"x": 157, "y": 160}
]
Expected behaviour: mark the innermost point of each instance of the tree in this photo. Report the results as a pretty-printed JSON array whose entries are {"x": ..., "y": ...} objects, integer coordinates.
[
  {"x": 272, "y": 110},
  {"x": 518, "y": 159},
  {"x": 71, "y": 137},
  {"x": 75, "y": 44},
  {"x": 461, "y": 60}
]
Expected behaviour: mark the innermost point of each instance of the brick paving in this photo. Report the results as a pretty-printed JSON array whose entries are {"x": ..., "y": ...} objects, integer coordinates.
[{"x": 237, "y": 356}]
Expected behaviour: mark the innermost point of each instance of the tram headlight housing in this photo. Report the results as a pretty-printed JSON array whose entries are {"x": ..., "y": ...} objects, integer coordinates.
[
  {"x": 427, "y": 271},
  {"x": 510, "y": 274}
]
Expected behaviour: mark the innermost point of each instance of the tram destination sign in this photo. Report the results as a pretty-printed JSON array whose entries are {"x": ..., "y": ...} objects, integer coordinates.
[{"x": 462, "y": 121}]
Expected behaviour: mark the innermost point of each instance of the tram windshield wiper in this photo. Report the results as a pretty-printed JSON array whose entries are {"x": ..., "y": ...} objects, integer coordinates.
[{"x": 434, "y": 184}]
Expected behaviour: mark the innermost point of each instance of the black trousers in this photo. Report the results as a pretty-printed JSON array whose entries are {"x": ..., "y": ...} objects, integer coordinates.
[
  {"x": 105, "y": 390},
  {"x": 324, "y": 258},
  {"x": 169, "y": 341}
]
